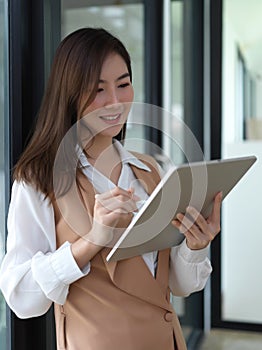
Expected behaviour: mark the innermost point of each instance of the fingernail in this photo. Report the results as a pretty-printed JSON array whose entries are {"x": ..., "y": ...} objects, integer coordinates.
[{"x": 174, "y": 222}]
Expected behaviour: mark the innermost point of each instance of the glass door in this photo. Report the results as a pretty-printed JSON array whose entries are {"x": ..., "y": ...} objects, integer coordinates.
[{"x": 4, "y": 160}]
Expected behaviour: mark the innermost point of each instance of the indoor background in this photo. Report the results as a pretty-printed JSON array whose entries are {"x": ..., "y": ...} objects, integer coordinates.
[{"x": 200, "y": 61}]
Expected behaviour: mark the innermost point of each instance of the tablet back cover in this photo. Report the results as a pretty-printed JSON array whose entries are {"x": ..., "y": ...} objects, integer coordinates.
[{"x": 193, "y": 184}]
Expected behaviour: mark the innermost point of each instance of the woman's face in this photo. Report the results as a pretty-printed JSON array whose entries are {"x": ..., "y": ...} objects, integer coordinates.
[{"x": 108, "y": 111}]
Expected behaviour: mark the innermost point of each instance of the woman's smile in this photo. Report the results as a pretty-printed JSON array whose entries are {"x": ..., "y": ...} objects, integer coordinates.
[{"x": 111, "y": 119}]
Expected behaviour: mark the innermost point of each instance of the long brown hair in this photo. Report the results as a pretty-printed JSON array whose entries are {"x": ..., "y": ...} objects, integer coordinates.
[{"x": 75, "y": 71}]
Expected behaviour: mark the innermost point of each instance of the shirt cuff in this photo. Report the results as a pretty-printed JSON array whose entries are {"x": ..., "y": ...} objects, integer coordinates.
[
  {"x": 65, "y": 266},
  {"x": 192, "y": 256}
]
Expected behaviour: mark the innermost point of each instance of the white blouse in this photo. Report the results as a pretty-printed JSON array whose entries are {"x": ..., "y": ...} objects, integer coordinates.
[{"x": 34, "y": 273}]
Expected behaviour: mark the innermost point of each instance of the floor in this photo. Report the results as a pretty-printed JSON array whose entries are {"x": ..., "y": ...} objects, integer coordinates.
[{"x": 232, "y": 340}]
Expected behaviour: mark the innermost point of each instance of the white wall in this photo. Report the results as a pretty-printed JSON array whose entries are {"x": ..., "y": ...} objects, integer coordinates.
[{"x": 242, "y": 241}]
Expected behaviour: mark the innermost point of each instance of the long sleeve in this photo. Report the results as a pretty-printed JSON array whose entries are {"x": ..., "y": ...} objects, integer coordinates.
[
  {"x": 189, "y": 269},
  {"x": 33, "y": 273}
]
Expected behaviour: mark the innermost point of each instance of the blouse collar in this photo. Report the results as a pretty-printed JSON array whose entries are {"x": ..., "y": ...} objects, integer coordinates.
[{"x": 125, "y": 156}]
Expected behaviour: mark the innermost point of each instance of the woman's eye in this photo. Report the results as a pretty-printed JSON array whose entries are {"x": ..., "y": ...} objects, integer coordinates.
[
  {"x": 124, "y": 85},
  {"x": 100, "y": 89}
]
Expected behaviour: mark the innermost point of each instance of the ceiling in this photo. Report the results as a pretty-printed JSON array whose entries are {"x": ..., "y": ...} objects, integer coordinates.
[{"x": 246, "y": 19}]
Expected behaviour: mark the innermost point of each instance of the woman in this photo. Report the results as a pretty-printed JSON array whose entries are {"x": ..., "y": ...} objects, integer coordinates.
[{"x": 57, "y": 243}]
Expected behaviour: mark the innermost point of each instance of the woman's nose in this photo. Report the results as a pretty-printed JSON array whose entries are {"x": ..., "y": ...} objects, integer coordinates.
[{"x": 112, "y": 97}]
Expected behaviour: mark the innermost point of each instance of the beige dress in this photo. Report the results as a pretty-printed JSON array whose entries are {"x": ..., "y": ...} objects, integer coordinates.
[{"x": 118, "y": 305}]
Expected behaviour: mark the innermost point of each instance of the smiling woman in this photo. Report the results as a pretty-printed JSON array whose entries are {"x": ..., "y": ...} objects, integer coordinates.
[{"x": 71, "y": 200}]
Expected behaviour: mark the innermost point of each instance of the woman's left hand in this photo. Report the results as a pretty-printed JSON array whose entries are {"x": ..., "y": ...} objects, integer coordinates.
[{"x": 199, "y": 232}]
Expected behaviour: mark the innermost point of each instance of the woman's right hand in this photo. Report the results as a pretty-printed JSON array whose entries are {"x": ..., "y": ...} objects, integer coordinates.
[{"x": 113, "y": 211}]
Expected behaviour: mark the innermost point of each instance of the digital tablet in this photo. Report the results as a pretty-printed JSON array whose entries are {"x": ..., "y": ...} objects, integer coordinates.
[{"x": 192, "y": 184}]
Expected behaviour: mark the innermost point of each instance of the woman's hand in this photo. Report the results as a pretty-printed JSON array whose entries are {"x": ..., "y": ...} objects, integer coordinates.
[
  {"x": 113, "y": 211},
  {"x": 199, "y": 232}
]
